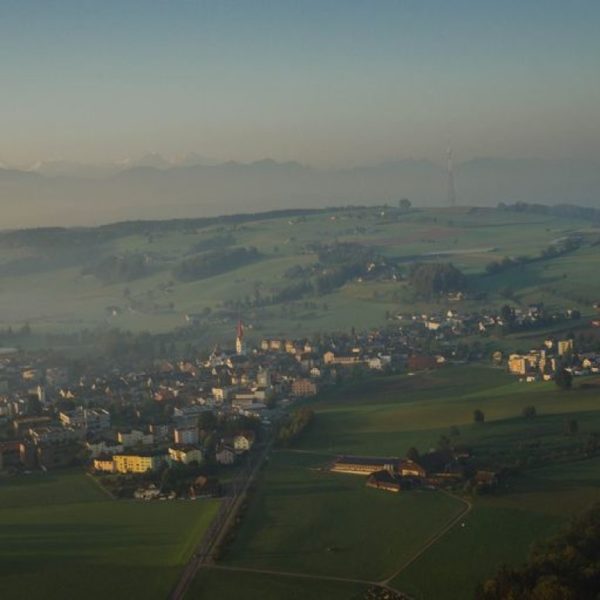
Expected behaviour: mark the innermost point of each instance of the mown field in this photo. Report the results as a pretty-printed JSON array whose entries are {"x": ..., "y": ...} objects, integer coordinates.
[
  {"x": 307, "y": 520},
  {"x": 51, "y": 290},
  {"x": 303, "y": 519},
  {"x": 62, "y": 536},
  {"x": 227, "y": 585}
]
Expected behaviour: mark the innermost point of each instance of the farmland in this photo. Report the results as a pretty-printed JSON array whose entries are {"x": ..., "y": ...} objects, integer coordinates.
[
  {"x": 303, "y": 519},
  {"x": 61, "y": 532},
  {"x": 65, "y": 286}
]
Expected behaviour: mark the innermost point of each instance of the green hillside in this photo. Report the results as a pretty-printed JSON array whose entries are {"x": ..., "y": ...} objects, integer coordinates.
[{"x": 129, "y": 275}]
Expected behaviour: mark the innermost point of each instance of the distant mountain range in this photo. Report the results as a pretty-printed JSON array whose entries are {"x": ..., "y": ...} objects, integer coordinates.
[{"x": 66, "y": 193}]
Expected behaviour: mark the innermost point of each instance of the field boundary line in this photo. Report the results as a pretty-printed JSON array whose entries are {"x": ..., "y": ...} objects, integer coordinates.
[
  {"x": 102, "y": 488},
  {"x": 468, "y": 506}
]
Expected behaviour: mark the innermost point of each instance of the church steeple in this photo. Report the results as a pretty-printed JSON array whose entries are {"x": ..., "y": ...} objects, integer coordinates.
[{"x": 239, "y": 340}]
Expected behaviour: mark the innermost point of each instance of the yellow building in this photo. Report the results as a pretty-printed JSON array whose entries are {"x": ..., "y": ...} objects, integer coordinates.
[
  {"x": 564, "y": 347},
  {"x": 104, "y": 464},
  {"x": 517, "y": 364},
  {"x": 136, "y": 463}
]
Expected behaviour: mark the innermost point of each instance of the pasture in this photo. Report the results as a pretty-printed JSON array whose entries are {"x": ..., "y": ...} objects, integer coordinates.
[
  {"x": 226, "y": 585},
  {"x": 304, "y": 519},
  {"x": 53, "y": 292},
  {"x": 60, "y": 531}
]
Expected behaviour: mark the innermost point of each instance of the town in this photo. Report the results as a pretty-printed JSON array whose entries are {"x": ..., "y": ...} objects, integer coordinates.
[{"x": 175, "y": 428}]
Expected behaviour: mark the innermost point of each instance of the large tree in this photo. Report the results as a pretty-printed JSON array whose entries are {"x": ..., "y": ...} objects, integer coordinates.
[{"x": 564, "y": 379}]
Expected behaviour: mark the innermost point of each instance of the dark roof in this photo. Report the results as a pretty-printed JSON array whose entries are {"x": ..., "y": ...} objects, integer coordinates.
[{"x": 366, "y": 460}]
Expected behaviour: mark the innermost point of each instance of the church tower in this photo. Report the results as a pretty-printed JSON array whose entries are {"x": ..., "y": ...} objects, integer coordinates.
[{"x": 239, "y": 340}]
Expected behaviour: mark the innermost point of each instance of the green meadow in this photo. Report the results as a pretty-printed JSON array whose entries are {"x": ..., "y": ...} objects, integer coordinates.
[
  {"x": 62, "y": 536},
  {"x": 53, "y": 293},
  {"x": 303, "y": 519},
  {"x": 306, "y": 520},
  {"x": 226, "y": 585}
]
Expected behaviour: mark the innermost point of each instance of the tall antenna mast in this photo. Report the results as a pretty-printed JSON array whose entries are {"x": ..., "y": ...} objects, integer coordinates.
[{"x": 450, "y": 170}]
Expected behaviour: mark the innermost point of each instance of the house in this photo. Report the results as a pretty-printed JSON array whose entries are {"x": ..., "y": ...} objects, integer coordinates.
[
  {"x": 86, "y": 418},
  {"x": 329, "y": 358},
  {"x": 386, "y": 480},
  {"x": 303, "y": 388},
  {"x": 22, "y": 424},
  {"x": 517, "y": 364},
  {"x": 225, "y": 455},
  {"x": 363, "y": 465},
  {"x": 222, "y": 393},
  {"x": 186, "y": 435},
  {"x": 410, "y": 468},
  {"x": 100, "y": 447},
  {"x": 379, "y": 363},
  {"x": 104, "y": 464},
  {"x": 565, "y": 347},
  {"x": 133, "y": 437},
  {"x": 242, "y": 442},
  {"x": 53, "y": 434},
  {"x": 140, "y": 462},
  {"x": 185, "y": 454}
]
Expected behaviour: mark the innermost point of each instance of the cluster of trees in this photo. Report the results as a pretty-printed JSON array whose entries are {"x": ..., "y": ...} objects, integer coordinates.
[
  {"x": 430, "y": 279},
  {"x": 564, "y": 379},
  {"x": 295, "y": 425},
  {"x": 498, "y": 266},
  {"x": 118, "y": 269},
  {"x": 337, "y": 264},
  {"x": 332, "y": 278},
  {"x": 543, "y": 318},
  {"x": 563, "y": 568},
  {"x": 569, "y": 211},
  {"x": 214, "y": 262},
  {"x": 553, "y": 251},
  {"x": 212, "y": 243}
]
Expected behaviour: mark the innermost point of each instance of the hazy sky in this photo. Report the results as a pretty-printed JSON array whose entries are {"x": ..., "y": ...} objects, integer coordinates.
[{"x": 324, "y": 82}]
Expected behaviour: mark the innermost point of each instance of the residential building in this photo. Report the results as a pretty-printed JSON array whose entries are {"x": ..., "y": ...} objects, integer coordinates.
[
  {"x": 242, "y": 442},
  {"x": 186, "y": 435},
  {"x": 302, "y": 388},
  {"x": 185, "y": 454},
  {"x": 137, "y": 462}
]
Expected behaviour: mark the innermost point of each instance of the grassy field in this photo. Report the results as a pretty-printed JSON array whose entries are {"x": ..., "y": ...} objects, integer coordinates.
[
  {"x": 57, "y": 296},
  {"x": 257, "y": 586},
  {"x": 61, "y": 536},
  {"x": 501, "y": 529},
  {"x": 304, "y": 519}
]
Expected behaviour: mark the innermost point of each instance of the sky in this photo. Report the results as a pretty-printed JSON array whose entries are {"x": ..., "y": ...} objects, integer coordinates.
[{"x": 326, "y": 83}]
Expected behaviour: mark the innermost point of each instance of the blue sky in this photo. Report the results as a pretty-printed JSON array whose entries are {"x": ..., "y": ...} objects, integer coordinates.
[{"x": 326, "y": 83}]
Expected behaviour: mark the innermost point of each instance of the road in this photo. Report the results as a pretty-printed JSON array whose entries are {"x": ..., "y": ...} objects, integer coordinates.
[{"x": 220, "y": 525}]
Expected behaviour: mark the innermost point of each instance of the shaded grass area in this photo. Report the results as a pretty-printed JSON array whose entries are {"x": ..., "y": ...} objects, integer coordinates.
[
  {"x": 60, "y": 536},
  {"x": 501, "y": 529},
  {"x": 227, "y": 585}
]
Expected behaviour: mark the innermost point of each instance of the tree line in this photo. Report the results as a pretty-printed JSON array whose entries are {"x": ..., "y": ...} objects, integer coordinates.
[
  {"x": 290, "y": 430},
  {"x": 214, "y": 263},
  {"x": 565, "y": 567}
]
